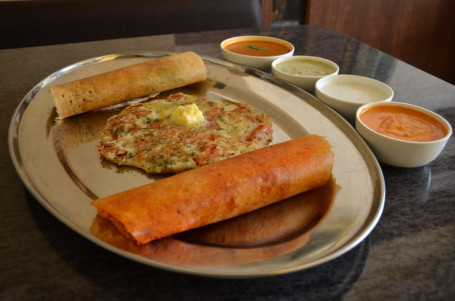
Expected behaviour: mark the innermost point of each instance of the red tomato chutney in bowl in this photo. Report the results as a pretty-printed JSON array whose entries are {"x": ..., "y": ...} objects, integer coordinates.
[
  {"x": 255, "y": 51},
  {"x": 257, "y": 48},
  {"x": 403, "y": 123}
]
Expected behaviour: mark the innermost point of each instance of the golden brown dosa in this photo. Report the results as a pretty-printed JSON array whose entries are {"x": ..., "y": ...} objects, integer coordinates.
[
  {"x": 259, "y": 235},
  {"x": 128, "y": 83},
  {"x": 219, "y": 191},
  {"x": 276, "y": 222}
]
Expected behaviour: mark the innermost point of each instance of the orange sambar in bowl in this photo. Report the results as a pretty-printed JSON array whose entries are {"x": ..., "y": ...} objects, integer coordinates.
[
  {"x": 257, "y": 48},
  {"x": 403, "y": 123}
]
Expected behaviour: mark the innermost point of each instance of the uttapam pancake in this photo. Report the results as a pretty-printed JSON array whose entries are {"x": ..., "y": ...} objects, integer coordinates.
[{"x": 148, "y": 135}]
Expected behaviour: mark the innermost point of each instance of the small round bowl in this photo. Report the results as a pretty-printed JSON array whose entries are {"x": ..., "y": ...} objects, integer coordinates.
[
  {"x": 345, "y": 93},
  {"x": 399, "y": 152},
  {"x": 262, "y": 62},
  {"x": 303, "y": 71}
]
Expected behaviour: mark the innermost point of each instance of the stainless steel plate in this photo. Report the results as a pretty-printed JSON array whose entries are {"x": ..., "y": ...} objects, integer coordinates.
[{"x": 59, "y": 163}]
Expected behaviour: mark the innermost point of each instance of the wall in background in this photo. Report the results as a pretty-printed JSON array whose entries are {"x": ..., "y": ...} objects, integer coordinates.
[
  {"x": 282, "y": 12},
  {"x": 419, "y": 32}
]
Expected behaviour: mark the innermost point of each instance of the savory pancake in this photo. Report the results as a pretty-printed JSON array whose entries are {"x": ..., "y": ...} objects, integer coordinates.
[{"x": 183, "y": 132}]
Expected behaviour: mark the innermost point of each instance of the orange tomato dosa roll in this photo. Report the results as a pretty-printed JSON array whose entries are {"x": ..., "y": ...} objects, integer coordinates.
[{"x": 219, "y": 191}]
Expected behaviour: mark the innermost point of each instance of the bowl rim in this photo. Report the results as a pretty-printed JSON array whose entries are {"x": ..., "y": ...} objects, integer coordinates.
[
  {"x": 302, "y": 57},
  {"x": 438, "y": 117},
  {"x": 375, "y": 83},
  {"x": 258, "y": 37}
]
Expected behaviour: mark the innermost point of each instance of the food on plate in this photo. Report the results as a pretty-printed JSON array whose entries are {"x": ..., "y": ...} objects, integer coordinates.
[
  {"x": 219, "y": 191},
  {"x": 403, "y": 123},
  {"x": 183, "y": 132},
  {"x": 264, "y": 233},
  {"x": 280, "y": 221},
  {"x": 128, "y": 83}
]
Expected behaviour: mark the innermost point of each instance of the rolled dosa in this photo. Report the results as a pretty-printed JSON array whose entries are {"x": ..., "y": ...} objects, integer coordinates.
[
  {"x": 268, "y": 232},
  {"x": 128, "y": 83},
  {"x": 277, "y": 222},
  {"x": 219, "y": 191}
]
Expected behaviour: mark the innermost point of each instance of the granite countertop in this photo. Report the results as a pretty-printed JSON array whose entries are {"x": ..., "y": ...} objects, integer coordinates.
[{"x": 409, "y": 255}]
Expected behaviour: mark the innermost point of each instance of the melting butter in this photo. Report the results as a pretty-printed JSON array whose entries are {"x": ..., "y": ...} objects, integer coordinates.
[{"x": 187, "y": 115}]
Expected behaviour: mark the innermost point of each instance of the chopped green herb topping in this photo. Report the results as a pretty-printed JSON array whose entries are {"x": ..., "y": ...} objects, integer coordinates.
[{"x": 252, "y": 46}]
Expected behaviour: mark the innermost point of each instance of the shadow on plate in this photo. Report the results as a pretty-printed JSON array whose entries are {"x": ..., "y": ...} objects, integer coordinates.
[{"x": 259, "y": 235}]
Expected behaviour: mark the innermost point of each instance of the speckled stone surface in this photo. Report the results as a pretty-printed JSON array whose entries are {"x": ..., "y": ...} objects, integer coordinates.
[{"x": 410, "y": 255}]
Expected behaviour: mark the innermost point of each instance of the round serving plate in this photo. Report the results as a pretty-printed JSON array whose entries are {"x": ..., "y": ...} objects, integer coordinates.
[{"x": 59, "y": 163}]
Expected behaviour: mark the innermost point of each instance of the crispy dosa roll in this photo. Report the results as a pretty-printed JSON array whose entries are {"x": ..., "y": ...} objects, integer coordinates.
[
  {"x": 219, "y": 191},
  {"x": 268, "y": 232},
  {"x": 128, "y": 83},
  {"x": 277, "y": 222}
]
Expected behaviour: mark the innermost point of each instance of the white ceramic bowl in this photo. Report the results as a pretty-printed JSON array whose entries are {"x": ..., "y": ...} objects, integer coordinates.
[
  {"x": 345, "y": 93},
  {"x": 303, "y": 71},
  {"x": 258, "y": 62},
  {"x": 398, "y": 152}
]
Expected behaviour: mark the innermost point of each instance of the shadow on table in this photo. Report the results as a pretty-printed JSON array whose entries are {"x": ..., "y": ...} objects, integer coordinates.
[
  {"x": 123, "y": 278},
  {"x": 411, "y": 205}
]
